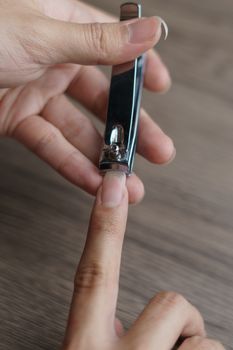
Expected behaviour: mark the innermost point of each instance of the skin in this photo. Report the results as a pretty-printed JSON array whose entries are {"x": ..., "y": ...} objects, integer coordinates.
[
  {"x": 51, "y": 52},
  {"x": 47, "y": 54},
  {"x": 92, "y": 323}
]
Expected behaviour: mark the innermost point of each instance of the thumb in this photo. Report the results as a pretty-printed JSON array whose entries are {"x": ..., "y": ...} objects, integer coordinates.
[{"x": 96, "y": 43}]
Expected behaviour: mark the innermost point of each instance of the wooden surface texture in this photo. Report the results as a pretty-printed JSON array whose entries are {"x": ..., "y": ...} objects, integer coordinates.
[{"x": 179, "y": 238}]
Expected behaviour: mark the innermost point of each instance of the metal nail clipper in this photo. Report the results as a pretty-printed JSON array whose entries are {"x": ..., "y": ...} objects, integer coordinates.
[{"x": 123, "y": 108}]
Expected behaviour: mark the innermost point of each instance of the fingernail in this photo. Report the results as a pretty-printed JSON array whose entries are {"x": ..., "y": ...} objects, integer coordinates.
[
  {"x": 172, "y": 158},
  {"x": 146, "y": 29},
  {"x": 113, "y": 189},
  {"x": 165, "y": 26}
]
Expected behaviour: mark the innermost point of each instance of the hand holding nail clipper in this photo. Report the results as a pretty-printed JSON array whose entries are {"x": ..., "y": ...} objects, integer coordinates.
[
  {"x": 50, "y": 50},
  {"x": 45, "y": 55},
  {"x": 168, "y": 316},
  {"x": 92, "y": 323},
  {"x": 124, "y": 106}
]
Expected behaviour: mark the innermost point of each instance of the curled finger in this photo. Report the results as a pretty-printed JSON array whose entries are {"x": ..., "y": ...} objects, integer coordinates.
[{"x": 167, "y": 317}]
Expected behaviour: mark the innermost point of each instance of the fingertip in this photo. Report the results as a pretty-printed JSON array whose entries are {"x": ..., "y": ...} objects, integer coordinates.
[
  {"x": 163, "y": 152},
  {"x": 112, "y": 192},
  {"x": 158, "y": 81},
  {"x": 144, "y": 30},
  {"x": 164, "y": 81},
  {"x": 167, "y": 151},
  {"x": 153, "y": 143},
  {"x": 142, "y": 35},
  {"x": 172, "y": 157},
  {"x": 136, "y": 190}
]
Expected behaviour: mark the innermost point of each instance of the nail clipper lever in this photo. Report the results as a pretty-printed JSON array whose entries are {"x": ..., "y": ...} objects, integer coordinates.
[{"x": 123, "y": 108}]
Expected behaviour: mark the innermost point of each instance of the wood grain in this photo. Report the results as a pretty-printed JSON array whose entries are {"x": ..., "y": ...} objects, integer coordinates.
[{"x": 179, "y": 238}]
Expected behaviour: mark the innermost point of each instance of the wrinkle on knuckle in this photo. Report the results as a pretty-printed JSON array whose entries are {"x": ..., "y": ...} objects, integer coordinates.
[
  {"x": 45, "y": 141},
  {"x": 74, "y": 130},
  {"x": 72, "y": 133},
  {"x": 89, "y": 277},
  {"x": 99, "y": 40},
  {"x": 66, "y": 161}
]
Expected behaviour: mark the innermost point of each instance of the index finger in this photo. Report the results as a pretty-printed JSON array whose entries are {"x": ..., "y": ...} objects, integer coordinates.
[{"x": 96, "y": 283}]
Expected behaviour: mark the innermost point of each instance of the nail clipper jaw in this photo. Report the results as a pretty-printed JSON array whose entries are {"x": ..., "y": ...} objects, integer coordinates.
[
  {"x": 116, "y": 151},
  {"x": 123, "y": 109}
]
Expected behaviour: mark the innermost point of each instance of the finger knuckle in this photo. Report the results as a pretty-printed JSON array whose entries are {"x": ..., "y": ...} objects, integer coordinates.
[
  {"x": 89, "y": 277},
  {"x": 210, "y": 344},
  {"x": 64, "y": 162},
  {"x": 99, "y": 41},
  {"x": 192, "y": 342},
  {"x": 46, "y": 140},
  {"x": 170, "y": 299},
  {"x": 200, "y": 343}
]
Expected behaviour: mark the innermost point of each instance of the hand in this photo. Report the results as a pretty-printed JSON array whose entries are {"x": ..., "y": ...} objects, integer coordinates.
[
  {"x": 92, "y": 323},
  {"x": 48, "y": 49}
]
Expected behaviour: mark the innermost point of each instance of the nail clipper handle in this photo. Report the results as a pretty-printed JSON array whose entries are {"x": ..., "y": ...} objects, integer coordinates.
[{"x": 123, "y": 108}]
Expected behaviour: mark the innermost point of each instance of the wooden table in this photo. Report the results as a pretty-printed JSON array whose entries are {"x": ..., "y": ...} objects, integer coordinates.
[{"x": 179, "y": 238}]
